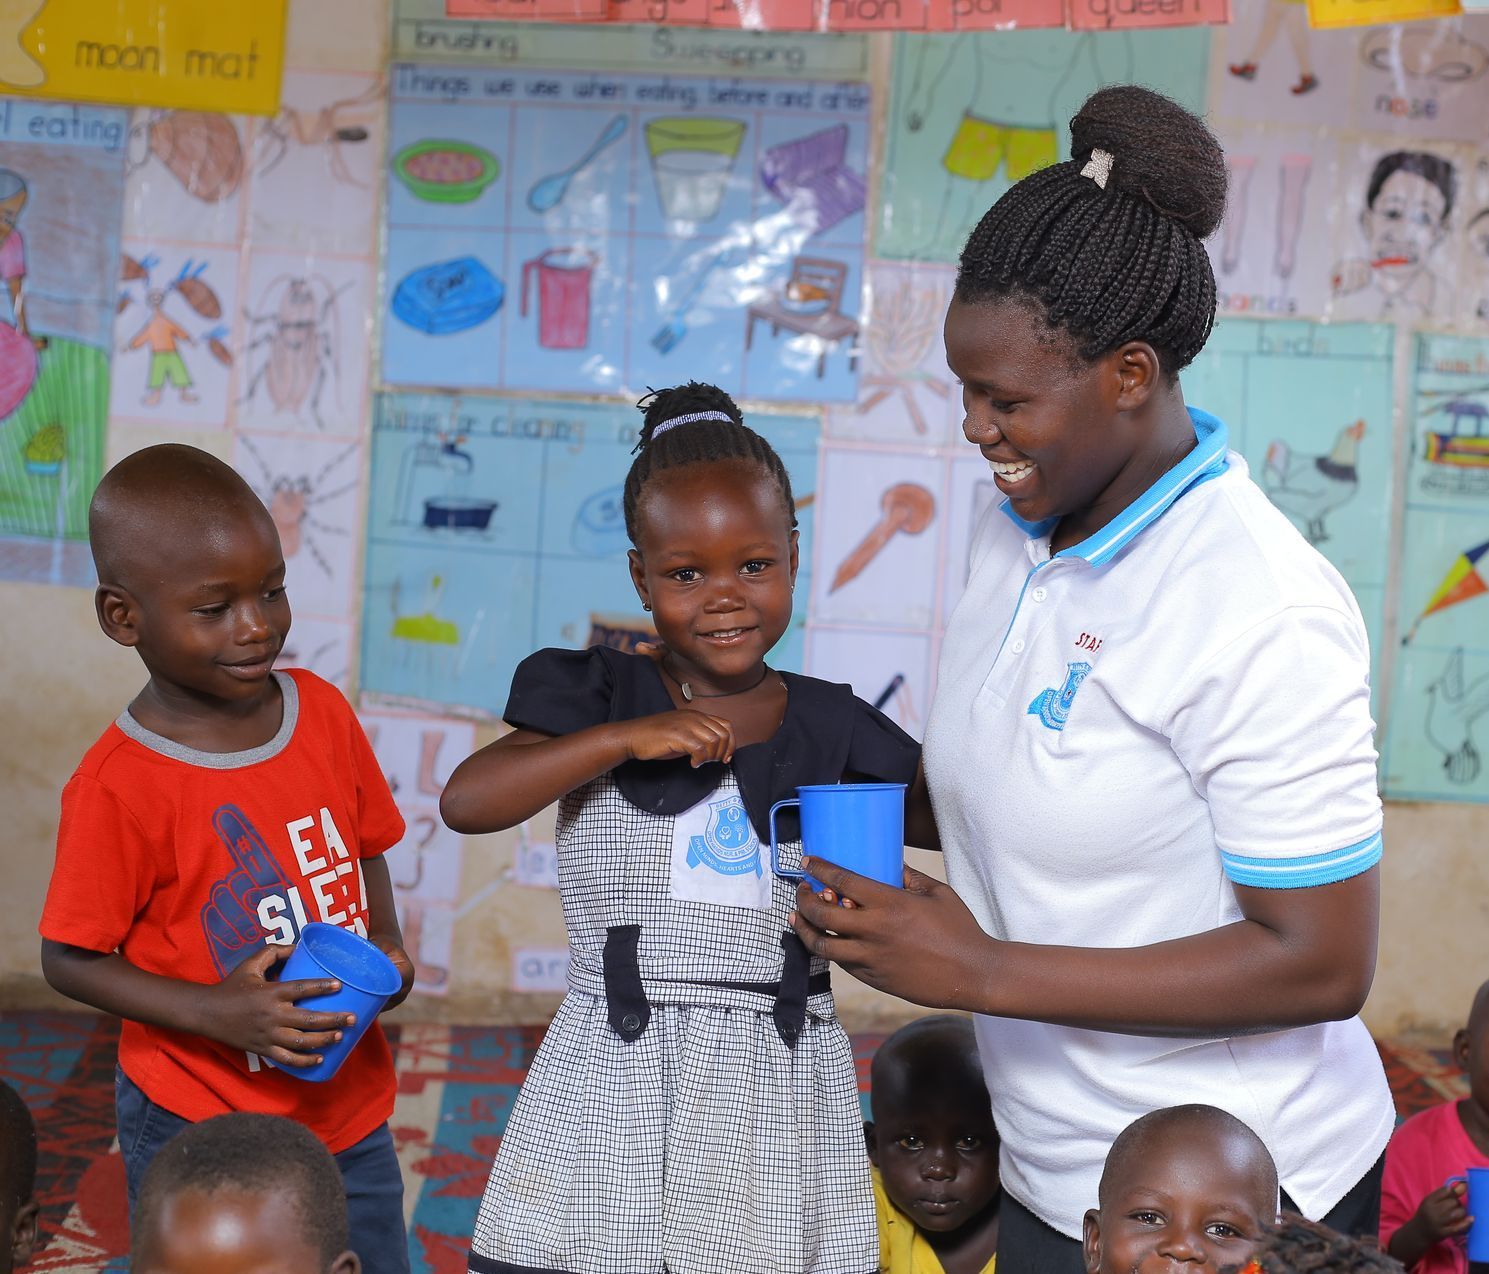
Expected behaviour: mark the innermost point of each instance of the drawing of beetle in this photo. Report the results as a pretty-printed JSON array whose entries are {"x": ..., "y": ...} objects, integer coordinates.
[{"x": 294, "y": 343}]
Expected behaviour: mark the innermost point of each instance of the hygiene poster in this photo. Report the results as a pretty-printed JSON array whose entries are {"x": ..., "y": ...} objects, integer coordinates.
[
  {"x": 593, "y": 232},
  {"x": 495, "y": 528},
  {"x": 61, "y": 205}
]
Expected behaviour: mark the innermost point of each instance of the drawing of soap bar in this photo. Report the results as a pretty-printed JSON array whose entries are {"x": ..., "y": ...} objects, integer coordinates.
[{"x": 448, "y": 296}]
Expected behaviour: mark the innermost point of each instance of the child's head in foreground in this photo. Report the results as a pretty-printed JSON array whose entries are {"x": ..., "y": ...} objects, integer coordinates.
[
  {"x": 18, "y": 1207},
  {"x": 242, "y": 1194},
  {"x": 932, "y": 1136},
  {"x": 190, "y": 571},
  {"x": 1296, "y": 1246},
  {"x": 708, "y": 506},
  {"x": 1190, "y": 1185}
]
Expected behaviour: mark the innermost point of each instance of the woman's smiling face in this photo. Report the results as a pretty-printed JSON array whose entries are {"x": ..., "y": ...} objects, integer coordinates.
[{"x": 1045, "y": 421}]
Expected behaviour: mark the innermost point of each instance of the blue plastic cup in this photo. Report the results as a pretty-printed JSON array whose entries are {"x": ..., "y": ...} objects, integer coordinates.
[
  {"x": 1477, "y": 1203},
  {"x": 368, "y": 981},
  {"x": 857, "y": 826}
]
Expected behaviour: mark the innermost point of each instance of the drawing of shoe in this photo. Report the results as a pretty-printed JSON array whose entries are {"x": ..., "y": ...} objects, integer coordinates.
[
  {"x": 1243, "y": 70},
  {"x": 1305, "y": 84}
]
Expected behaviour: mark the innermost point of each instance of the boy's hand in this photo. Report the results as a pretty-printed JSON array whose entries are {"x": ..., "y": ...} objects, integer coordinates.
[
  {"x": 249, "y": 1012},
  {"x": 401, "y": 962},
  {"x": 1443, "y": 1214},
  {"x": 683, "y": 732}
]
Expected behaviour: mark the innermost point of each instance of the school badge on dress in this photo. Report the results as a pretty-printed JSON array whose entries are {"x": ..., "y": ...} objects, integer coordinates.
[
  {"x": 1052, "y": 707},
  {"x": 716, "y": 854}
]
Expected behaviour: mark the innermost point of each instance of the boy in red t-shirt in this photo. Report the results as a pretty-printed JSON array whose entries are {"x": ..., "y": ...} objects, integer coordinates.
[
  {"x": 1422, "y": 1217},
  {"x": 228, "y": 805}
]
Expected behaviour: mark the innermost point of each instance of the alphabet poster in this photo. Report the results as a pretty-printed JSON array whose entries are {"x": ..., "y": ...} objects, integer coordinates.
[
  {"x": 589, "y": 232},
  {"x": 61, "y": 206}
]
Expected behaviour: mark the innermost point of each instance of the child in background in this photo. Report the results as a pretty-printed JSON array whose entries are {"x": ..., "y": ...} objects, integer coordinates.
[
  {"x": 1188, "y": 1186},
  {"x": 694, "y": 1105},
  {"x": 224, "y": 808},
  {"x": 935, "y": 1151},
  {"x": 1422, "y": 1217},
  {"x": 18, "y": 1206},
  {"x": 1296, "y": 1246},
  {"x": 242, "y": 1193}
]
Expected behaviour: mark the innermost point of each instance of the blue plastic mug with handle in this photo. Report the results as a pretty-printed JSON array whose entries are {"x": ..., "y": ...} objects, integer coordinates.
[
  {"x": 858, "y": 826},
  {"x": 368, "y": 981},
  {"x": 1477, "y": 1204}
]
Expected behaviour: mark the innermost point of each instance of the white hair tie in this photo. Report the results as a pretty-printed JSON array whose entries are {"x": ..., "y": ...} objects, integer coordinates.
[
  {"x": 689, "y": 419},
  {"x": 1099, "y": 167}
]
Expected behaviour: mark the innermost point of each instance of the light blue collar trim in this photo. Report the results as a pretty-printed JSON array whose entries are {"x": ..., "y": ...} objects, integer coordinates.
[{"x": 1206, "y": 461}]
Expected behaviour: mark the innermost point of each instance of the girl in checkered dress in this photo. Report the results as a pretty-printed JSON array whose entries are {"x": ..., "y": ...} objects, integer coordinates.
[{"x": 694, "y": 1107}]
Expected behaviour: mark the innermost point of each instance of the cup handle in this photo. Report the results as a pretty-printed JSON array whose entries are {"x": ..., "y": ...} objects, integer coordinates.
[{"x": 775, "y": 853}]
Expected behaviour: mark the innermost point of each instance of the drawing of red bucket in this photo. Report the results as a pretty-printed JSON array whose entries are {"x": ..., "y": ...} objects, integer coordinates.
[
  {"x": 691, "y": 159},
  {"x": 563, "y": 296}
]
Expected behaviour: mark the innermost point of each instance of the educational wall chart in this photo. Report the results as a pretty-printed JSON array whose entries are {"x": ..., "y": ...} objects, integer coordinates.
[
  {"x": 417, "y": 755},
  {"x": 495, "y": 528},
  {"x": 61, "y": 203},
  {"x": 1439, "y": 722},
  {"x": 584, "y": 232},
  {"x": 971, "y": 114},
  {"x": 1309, "y": 406}
]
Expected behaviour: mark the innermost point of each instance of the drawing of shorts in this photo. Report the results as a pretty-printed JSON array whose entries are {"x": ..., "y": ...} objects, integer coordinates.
[
  {"x": 168, "y": 367},
  {"x": 979, "y": 146}
]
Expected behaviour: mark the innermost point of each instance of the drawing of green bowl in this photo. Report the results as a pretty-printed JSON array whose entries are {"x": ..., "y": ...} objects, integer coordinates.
[{"x": 438, "y": 170}]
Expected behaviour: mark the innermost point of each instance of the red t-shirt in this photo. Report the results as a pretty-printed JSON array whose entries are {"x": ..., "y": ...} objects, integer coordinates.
[
  {"x": 1424, "y": 1152},
  {"x": 187, "y": 862}
]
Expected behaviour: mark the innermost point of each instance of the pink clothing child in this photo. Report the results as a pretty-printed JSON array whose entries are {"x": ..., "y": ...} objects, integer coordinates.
[{"x": 1423, "y": 1219}]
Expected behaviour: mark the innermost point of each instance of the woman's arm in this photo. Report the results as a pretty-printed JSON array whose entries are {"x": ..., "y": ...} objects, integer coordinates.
[
  {"x": 920, "y": 821},
  {"x": 524, "y": 772},
  {"x": 1299, "y": 957}
]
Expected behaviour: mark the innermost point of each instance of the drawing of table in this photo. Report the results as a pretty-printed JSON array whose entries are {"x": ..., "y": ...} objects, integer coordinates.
[{"x": 822, "y": 321}]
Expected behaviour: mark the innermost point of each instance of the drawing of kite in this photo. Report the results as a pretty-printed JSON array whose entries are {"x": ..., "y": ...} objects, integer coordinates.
[{"x": 1465, "y": 579}]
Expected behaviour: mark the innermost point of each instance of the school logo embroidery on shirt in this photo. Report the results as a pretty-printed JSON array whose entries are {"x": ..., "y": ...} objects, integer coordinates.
[
  {"x": 1052, "y": 707},
  {"x": 728, "y": 845}
]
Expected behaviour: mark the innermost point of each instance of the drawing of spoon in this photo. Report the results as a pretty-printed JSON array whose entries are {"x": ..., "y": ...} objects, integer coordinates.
[
  {"x": 905, "y": 507},
  {"x": 547, "y": 193}
]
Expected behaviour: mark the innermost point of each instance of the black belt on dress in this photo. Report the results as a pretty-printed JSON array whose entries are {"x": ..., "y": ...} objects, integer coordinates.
[{"x": 629, "y": 1011}]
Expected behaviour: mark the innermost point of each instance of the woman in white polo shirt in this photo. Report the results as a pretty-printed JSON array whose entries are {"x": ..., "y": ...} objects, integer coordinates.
[{"x": 1150, "y": 754}]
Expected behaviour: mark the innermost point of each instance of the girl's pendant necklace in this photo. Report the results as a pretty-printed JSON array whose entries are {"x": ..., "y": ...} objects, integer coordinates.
[{"x": 689, "y": 694}]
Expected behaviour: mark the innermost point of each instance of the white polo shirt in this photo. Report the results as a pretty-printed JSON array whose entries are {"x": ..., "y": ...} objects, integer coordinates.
[{"x": 1121, "y": 731}]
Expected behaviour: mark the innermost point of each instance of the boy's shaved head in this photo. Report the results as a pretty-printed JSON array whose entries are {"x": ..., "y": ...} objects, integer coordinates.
[
  {"x": 1209, "y": 1125},
  {"x": 159, "y": 497},
  {"x": 930, "y": 1055}
]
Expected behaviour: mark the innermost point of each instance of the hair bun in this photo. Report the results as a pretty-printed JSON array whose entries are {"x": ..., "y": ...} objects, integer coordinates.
[{"x": 1162, "y": 153}]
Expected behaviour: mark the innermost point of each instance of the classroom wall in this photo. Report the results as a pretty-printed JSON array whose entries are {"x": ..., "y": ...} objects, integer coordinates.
[{"x": 64, "y": 682}]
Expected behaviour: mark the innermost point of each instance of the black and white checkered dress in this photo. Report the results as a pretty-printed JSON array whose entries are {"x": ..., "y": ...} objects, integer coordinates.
[{"x": 722, "y": 1135}]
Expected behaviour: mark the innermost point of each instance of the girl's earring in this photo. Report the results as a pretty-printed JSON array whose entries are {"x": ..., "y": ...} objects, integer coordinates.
[{"x": 647, "y": 605}]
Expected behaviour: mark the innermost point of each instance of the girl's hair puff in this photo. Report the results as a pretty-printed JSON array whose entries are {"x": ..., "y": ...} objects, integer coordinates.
[
  {"x": 1296, "y": 1246},
  {"x": 697, "y": 442},
  {"x": 1122, "y": 263}
]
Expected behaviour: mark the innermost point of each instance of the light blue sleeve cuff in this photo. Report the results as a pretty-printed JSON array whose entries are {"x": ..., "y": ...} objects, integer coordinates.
[{"x": 1300, "y": 873}]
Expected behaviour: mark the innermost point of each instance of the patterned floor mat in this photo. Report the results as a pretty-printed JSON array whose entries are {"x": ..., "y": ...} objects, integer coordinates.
[{"x": 456, "y": 1085}]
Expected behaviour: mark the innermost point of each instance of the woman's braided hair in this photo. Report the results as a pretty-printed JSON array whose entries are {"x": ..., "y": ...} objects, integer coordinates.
[
  {"x": 1118, "y": 264},
  {"x": 697, "y": 442},
  {"x": 1296, "y": 1246}
]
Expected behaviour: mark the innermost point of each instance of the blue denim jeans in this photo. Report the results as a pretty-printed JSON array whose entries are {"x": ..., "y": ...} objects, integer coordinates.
[{"x": 370, "y": 1171}]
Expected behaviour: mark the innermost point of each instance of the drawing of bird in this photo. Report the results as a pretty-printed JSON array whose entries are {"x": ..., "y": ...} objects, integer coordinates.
[
  {"x": 1307, "y": 488},
  {"x": 1452, "y": 708}
]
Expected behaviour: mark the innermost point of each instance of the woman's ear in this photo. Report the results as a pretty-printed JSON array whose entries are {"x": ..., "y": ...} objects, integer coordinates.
[
  {"x": 795, "y": 555},
  {"x": 22, "y": 1236},
  {"x": 118, "y": 614},
  {"x": 1139, "y": 370},
  {"x": 1091, "y": 1241}
]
